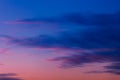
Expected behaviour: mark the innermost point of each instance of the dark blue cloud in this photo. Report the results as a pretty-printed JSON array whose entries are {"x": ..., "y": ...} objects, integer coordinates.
[
  {"x": 113, "y": 68},
  {"x": 98, "y": 38},
  {"x": 101, "y": 37},
  {"x": 79, "y": 60},
  {"x": 106, "y": 19}
]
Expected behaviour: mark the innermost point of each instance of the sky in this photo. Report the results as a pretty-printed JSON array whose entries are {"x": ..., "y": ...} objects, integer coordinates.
[{"x": 59, "y": 40}]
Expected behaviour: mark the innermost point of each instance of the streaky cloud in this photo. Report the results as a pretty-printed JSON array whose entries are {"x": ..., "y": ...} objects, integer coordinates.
[
  {"x": 96, "y": 46},
  {"x": 105, "y": 19}
]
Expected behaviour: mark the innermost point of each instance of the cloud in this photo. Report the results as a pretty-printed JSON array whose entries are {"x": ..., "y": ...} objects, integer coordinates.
[
  {"x": 114, "y": 68},
  {"x": 101, "y": 45},
  {"x": 77, "y": 55},
  {"x": 9, "y": 76},
  {"x": 108, "y": 19},
  {"x": 81, "y": 59},
  {"x": 98, "y": 38},
  {"x": 107, "y": 71}
]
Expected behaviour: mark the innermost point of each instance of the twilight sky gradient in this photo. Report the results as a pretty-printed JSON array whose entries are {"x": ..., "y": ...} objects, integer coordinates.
[{"x": 59, "y": 40}]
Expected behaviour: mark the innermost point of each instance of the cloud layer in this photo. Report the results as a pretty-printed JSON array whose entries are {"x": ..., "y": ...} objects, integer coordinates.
[
  {"x": 100, "y": 45},
  {"x": 106, "y": 19}
]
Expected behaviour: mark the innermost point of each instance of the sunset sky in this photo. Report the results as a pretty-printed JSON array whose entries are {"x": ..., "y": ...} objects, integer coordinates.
[{"x": 59, "y": 40}]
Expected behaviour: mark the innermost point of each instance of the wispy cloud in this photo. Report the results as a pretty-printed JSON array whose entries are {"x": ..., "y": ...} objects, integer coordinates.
[
  {"x": 101, "y": 46},
  {"x": 108, "y": 19}
]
